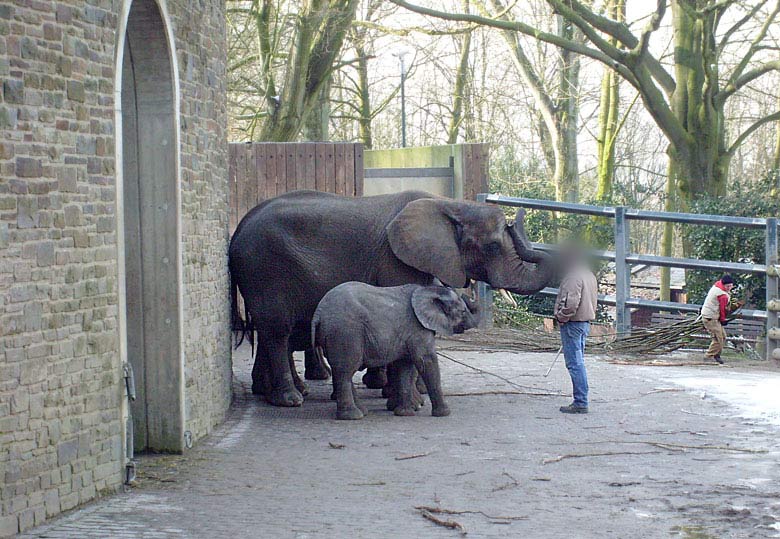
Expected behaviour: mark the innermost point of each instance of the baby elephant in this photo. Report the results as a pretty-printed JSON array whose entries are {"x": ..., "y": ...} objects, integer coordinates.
[{"x": 360, "y": 326}]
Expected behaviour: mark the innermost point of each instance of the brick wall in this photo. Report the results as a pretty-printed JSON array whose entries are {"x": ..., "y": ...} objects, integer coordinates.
[{"x": 60, "y": 374}]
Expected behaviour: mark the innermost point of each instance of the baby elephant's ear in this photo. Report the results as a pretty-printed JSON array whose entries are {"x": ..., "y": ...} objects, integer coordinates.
[{"x": 430, "y": 308}]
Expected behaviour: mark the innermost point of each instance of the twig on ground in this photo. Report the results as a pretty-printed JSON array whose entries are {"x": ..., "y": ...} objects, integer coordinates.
[
  {"x": 671, "y": 446},
  {"x": 414, "y": 456},
  {"x": 442, "y": 511},
  {"x": 663, "y": 390},
  {"x": 694, "y": 413},
  {"x": 336, "y": 446},
  {"x": 512, "y": 484},
  {"x": 602, "y": 454},
  {"x": 483, "y": 371},
  {"x": 453, "y": 525},
  {"x": 499, "y": 392}
]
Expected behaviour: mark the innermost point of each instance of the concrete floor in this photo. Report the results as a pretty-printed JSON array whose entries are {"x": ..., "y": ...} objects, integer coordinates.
[{"x": 652, "y": 459}]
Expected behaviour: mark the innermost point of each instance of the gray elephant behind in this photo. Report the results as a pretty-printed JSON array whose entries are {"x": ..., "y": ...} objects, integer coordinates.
[{"x": 359, "y": 326}]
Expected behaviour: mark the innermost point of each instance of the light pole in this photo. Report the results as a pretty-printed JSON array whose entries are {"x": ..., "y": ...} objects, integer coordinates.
[{"x": 400, "y": 56}]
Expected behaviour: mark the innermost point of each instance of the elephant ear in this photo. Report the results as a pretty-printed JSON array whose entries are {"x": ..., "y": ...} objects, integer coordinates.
[
  {"x": 430, "y": 308},
  {"x": 423, "y": 235}
]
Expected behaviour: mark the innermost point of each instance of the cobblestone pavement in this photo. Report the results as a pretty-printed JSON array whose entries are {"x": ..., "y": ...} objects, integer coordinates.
[{"x": 650, "y": 460}]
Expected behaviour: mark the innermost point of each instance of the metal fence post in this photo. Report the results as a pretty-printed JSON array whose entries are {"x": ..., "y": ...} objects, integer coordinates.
[
  {"x": 772, "y": 295},
  {"x": 622, "y": 271},
  {"x": 484, "y": 292}
]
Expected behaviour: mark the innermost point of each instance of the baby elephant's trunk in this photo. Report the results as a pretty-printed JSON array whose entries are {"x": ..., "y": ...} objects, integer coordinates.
[{"x": 474, "y": 315}]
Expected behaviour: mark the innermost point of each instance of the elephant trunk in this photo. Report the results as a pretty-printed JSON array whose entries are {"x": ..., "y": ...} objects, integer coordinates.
[{"x": 530, "y": 279}]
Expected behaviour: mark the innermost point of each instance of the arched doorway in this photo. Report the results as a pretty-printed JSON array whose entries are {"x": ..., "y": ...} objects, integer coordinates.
[{"x": 147, "y": 180}]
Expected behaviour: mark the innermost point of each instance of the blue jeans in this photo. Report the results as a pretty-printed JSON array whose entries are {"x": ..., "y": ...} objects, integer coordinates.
[{"x": 573, "y": 336}]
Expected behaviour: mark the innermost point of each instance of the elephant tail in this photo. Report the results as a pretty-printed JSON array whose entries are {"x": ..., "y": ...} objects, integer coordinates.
[
  {"x": 316, "y": 344},
  {"x": 241, "y": 327}
]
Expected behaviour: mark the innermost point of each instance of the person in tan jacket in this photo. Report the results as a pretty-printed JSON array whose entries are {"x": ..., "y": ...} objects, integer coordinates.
[{"x": 575, "y": 308}]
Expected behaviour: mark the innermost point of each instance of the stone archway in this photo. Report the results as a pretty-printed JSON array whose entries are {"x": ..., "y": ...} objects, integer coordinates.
[{"x": 148, "y": 182}]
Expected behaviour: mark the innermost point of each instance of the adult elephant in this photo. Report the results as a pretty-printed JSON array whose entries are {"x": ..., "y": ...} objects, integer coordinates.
[{"x": 288, "y": 251}]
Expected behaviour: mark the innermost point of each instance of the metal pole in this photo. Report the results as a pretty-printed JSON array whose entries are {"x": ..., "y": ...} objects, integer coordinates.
[
  {"x": 622, "y": 271},
  {"x": 403, "y": 102},
  {"x": 772, "y": 282},
  {"x": 484, "y": 292}
]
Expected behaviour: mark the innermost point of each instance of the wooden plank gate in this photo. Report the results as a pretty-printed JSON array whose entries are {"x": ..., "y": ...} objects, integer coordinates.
[{"x": 263, "y": 170}]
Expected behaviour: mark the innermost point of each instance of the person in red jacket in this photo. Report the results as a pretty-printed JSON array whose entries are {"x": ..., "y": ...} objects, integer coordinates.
[{"x": 713, "y": 314}]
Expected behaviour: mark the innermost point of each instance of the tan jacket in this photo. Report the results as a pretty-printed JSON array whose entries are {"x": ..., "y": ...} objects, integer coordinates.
[{"x": 577, "y": 296}]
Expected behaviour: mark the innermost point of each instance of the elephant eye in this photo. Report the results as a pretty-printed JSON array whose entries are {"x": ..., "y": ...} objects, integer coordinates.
[{"x": 492, "y": 249}]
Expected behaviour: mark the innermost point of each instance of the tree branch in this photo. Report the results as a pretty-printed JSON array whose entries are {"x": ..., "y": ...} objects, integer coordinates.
[
  {"x": 750, "y": 130},
  {"x": 737, "y": 25},
  {"x": 747, "y": 78},
  {"x": 743, "y": 63}
]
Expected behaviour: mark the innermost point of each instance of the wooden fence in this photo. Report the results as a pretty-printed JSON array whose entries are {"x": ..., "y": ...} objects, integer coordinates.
[{"x": 262, "y": 170}]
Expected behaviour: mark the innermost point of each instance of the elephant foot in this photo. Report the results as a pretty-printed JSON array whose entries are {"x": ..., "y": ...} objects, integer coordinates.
[
  {"x": 388, "y": 391},
  {"x": 375, "y": 378},
  {"x": 302, "y": 388},
  {"x": 349, "y": 413},
  {"x": 362, "y": 408},
  {"x": 420, "y": 384},
  {"x": 258, "y": 388},
  {"x": 441, "y": 411},
  {"x": 317, "y": 371},
  {"x": 403, "y": 411},
  {"x": 285, "y": 397}
]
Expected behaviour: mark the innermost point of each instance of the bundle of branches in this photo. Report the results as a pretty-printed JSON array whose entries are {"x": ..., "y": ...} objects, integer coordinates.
[{"x": 654, "y": 340}]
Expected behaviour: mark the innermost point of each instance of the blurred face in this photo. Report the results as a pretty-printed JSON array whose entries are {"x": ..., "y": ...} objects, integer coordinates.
[{"x": 728, "y": 287}]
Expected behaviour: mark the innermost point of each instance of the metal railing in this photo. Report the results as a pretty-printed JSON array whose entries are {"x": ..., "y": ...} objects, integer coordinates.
[{"x": 624, "y": 259}]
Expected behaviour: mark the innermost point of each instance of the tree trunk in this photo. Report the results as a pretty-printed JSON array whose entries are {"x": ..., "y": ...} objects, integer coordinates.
[
  {"x": 315, "y": 127},
  {"x": 461, "y": 80},
  {"x": 608, "y": 115},
  {"x": 567, "y": 177},
  {"x": 700, "y": 162},
  {"x": 364, "y": 98},
  {"x": 320, "y": 29}
]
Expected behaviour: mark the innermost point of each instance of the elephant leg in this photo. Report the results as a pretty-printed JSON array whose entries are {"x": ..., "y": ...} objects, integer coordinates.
[
  {"x": 299, "y": 384},
  {"x": 419, "y": 383},
  {"x": 375, "y": 378},
  {"x": 404, "y": 405},
  {"x": 355, "y": 398},
  {"x": 282, "y": 391},
  {"x": 316, "y": 369},
  {"x": 432, "y": 378},
  {"x": 261, "y": 381},
  {"x": 345, "y": 397},
  {"x": 390, "y": 391}
]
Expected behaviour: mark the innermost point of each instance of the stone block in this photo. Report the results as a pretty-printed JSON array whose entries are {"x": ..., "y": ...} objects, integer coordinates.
[
  {"x": 13, "y": 90},
  {"x": 67, "y": 451},
  {"x": 51, "y": 501},
  {"x": 72, "y": 215},
  {"x": 6, "y": 150},
  {"x": 9, "y": 117},
  {"x": 76, "y": 91},
  {"x": 27, "y": 167},
  {"x": 45, "y": 253},
  {"x": 69, "y": 501},
  {"x": 9, "y": 525}
]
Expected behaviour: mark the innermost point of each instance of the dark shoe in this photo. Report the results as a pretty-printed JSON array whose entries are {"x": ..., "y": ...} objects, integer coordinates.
[
  {"x": 573, "y": 409},
  {"x": 717, "y": 358}
]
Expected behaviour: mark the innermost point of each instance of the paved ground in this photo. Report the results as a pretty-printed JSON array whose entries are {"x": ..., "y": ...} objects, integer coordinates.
[{"x": 653, "y": 459}]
